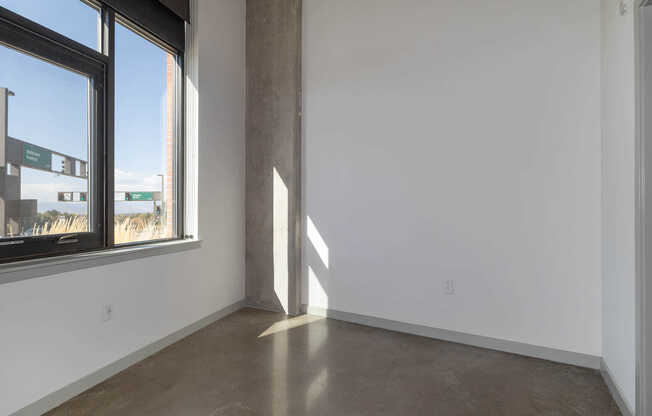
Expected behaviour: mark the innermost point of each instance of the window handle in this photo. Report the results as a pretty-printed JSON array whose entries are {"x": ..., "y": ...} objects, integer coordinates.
[{"x": 68, "y": 239}]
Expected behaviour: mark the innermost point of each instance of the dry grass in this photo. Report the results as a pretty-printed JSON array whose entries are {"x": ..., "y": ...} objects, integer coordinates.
[
  {"x": 127, "y": 230},
  {"x": 63, "y": 226},
  {"x": 130, "y": 230}
]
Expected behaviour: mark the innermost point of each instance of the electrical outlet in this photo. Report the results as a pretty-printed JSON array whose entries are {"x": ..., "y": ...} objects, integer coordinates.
[
  {"x": 107, "y": 313},
  {"x": 449, "y": 287}
]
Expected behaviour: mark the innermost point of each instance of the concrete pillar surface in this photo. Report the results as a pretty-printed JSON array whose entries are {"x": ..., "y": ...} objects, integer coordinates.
[{"x": 273, "y": 147}]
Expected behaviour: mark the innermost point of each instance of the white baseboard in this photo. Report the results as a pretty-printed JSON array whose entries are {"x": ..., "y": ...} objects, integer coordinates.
[
  {"x": 66, "y": 393},
  {"x": 253, "y": 304},
  {"x": 615, "y": 390},
  {"x": 545, "y": 353}
]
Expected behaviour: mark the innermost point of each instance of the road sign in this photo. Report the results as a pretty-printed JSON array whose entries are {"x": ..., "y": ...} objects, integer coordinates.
[
  {"x": 142, "y": 196},
  {"x": 73, "y": 196},
  {"x": 77, "y": 196},
  {"x": 37, "y": 157}
]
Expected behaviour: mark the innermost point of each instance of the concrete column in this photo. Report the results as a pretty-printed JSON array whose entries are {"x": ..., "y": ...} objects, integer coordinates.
[{"x": 273, "y": 169}]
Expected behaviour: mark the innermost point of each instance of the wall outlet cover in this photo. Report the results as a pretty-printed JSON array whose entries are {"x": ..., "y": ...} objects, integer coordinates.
[
  {"x": 107, "y": 313},
  {"x": 449, "y": 287}
]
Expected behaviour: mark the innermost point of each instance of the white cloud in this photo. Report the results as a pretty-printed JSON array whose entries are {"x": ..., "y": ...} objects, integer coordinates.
[
  {"x": 134, "y": 181},
  {"x": 48, "y": 192}
]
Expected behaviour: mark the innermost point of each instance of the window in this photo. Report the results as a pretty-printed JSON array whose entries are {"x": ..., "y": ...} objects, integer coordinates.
[
  {"x": 145, "y": 140},
  {"x": 91, "y": 139},
  {"x": 80, "y": 21},
  {"x": 47, "y": 147}
]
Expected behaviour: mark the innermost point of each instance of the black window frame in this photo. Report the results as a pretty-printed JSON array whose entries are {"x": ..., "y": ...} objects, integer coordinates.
[{"x": 31, "y": 38}]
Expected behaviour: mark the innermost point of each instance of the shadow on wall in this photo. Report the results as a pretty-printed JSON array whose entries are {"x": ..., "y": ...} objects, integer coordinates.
[
  {"x": 268, "y": 244},
  {"x": 308, "y": 330},
  {"x": 317, "y": 256},
  {"x": 269, "y": 249}
]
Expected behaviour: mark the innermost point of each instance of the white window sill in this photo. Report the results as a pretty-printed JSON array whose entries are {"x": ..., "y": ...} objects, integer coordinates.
[{"x": 29, "y": 269}]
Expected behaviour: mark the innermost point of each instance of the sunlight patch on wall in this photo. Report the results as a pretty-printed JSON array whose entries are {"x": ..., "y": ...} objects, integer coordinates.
[
  {"x": 318, "y": 242},
  {"x": 280, "y": 242},
  {"x": 317, "y": 296}
]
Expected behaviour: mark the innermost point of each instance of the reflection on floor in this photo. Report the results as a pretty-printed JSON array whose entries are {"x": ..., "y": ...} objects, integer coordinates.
[{"x": 250, "y": 364}]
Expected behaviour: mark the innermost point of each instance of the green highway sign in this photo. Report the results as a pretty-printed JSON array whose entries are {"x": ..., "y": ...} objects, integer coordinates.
[
  {"x": 36, "y": 157},
  {"x": 139, "y": 196}
]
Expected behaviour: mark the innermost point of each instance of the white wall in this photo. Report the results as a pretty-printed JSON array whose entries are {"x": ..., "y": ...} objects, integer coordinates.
[
  {"x": 50, "y": 329},
  {"x": 618, "y": 243},
  {"x": 457, "y": 140}
]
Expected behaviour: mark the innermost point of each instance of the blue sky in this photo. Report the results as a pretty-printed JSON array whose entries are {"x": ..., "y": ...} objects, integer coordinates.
[{"x": 50, "y": 108}]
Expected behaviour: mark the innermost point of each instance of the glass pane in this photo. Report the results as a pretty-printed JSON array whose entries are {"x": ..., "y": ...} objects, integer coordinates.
[
  {"x": 145, "y": 139},
  {"x": 71, "y": 18},
  {"x": 44, "y": 147}
]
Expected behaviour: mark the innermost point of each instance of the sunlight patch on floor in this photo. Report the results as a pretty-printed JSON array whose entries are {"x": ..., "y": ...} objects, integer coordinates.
[{"x": 287, "y": 324}]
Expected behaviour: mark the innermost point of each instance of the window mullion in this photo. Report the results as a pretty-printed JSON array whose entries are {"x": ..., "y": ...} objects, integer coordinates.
[
  {"x": 109, "y": 155},
  {"x": 180, "y": 151}
]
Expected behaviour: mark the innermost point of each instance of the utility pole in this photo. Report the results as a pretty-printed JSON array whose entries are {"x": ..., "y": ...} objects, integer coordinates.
[
  {"x": 14, "y": 154},
  {"x": 162, "y": 197}
]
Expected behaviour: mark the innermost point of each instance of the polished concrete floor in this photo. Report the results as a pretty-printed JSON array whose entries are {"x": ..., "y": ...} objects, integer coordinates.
[{"x": 260, "y": 363}]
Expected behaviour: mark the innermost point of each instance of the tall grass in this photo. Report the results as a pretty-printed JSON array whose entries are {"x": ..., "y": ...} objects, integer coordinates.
[
  {"x": 64, "y": 225},
  {"x": 127, "y": 229}
]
